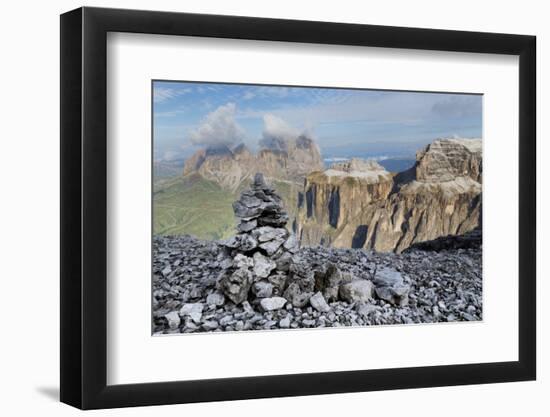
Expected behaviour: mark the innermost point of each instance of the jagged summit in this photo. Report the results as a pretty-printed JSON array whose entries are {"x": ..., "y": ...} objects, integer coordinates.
[
  {"x": 447, "y": 159},
  {"x": 281, "y": 159}
]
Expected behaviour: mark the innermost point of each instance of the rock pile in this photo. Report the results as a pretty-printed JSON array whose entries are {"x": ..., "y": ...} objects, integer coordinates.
[
  {"x": 445, "y": 285},
  {"x": 259, "y": 257}
]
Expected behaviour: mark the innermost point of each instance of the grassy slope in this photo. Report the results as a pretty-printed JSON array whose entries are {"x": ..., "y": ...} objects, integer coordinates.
[{"x": 196, "y": 206}]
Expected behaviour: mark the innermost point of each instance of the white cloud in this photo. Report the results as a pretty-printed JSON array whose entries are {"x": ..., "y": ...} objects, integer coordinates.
[
  {"x": 218, "y": 128},
  {"x": 277, "y": 133},
  {"x": 161, "y": 94}
]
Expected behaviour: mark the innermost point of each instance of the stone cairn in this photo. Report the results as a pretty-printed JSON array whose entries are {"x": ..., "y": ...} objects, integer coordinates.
[{"x": 261, "y": 258}]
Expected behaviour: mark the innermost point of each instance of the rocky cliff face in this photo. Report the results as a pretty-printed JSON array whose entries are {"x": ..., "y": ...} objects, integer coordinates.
[
  {"x": 291, "y": 161},
  {"x": 358, "y": 204},
  {"x": 446, "y": 159}
]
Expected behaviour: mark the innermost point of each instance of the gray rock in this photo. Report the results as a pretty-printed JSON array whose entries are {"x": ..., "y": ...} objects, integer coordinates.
[
  {"x": 247, "y": 307},
  {"x": 262, "y": 289},
  {"x": 283, "y": 262},
  {"x": 241, "y": 210},
  {"x": 235, "y": 286},
  {"x": 284, "y": 323},
  {"x": 319, "y": 303},
  {"x": 273, "y": 303},
  {"x": 242, "y": 261},
  {"x": 262, "y": 265},
  {"x": 364, "y": 309},
  {"x": 397, "y": 295},
  {"x": 247, "y": 226},
  {"x": 267, "y": 233},
  {"x": 386, "y": 277},
  {"x": 232, "y": 242},
  {"x": 272, "y": 246},
  {"x": 173, "y": 320},
  {"x": 248, "y": 243},
  {"x": 358, "y": 290},
  {"x": 226, "y": 263},
  {"x": 193, "y": 310},
  {"x": 278, "y": 280},
  {"x": 210, "y": 325},
  {"x": 215, "y": 298},
  {"x": 296, "y": 296},
  {"x": 329, "y": 281}
]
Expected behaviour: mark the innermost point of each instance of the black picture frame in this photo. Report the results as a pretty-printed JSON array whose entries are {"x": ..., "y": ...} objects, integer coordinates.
[{"x": 84, "y": 207}]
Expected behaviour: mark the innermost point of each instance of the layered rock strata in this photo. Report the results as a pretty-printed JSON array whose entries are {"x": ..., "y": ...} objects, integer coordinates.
[
  {"x": 360, "y": 205},
  {"x": 230, "y": 167}
]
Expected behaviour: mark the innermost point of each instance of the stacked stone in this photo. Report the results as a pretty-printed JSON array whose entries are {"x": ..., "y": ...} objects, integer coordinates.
[{"x": 260, "y": 255}]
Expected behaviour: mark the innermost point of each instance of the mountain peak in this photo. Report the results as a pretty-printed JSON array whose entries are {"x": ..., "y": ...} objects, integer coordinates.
[{"x": 446, "y": 159}]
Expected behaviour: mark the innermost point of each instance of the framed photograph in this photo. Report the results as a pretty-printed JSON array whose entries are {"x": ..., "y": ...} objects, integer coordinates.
[{"x": 259, "y": 208}]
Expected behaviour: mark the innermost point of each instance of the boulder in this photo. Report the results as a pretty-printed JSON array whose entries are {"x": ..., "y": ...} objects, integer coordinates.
[
  {"x": 215, "y": 298},
  {"x": 329, "y": 281},
  {"x": 284, "y": 323},
  {"x": 398, "y": 295},
  {"x": 235, "y": 286},
  {"x": 173, "y": 320},
  {"x": 247, "y": 226},
  {"x": 278, "y": 280},
  {"x": 263, "y": 265},
  {"x": 272, "y": 303},
  {"x": 271, "y": 246},
  {"x": 267, "y": 233},
  {"x": 193, "y": 310},
  {"x": 296, "y": 296},
  {"x": 386, "y": 277},
  {"x": 391, "y": 287},
  {"x": 242, "y": 261},
  {"x": 319, "y": 303},
  {"x": 248, "y": 243},
  {"x": 358, "y": 290},
  {"x": 262, "y": 289}
]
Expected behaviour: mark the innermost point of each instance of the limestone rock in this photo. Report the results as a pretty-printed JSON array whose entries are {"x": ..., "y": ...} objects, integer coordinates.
[
  {"x": 262, "y": 289},
  {"x": 319, "y": 303},
  {"x": 235, "y": 286},
  {"x": 296, "y": 296},
  {"x": 272, "y": 303},
  {"x": 284, "y": 323},
  {"x": 215, "y": 298},
  {"x": 263, "y": 265},
  {"x": 390, "y": 286},
  {"x": 360, "y": 205},
  {"x": 358, "y": 290},
  {"x": 386, "y": 277},
  {"x": 329, "y": 281},
  {"x": 173, "y": 320},
  {"x": 242, "y": 261},
  {"x": 193, "y": 310}
]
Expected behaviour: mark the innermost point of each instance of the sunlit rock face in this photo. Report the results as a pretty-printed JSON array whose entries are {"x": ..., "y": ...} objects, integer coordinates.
[
  {"x": 360, "y": 205},
  {"x": 291, "y": 160},
  {"x": 447, "y": 159}
]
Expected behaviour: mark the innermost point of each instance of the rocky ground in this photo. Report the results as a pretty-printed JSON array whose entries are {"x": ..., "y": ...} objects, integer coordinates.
[{"x": 444, "y": 284}]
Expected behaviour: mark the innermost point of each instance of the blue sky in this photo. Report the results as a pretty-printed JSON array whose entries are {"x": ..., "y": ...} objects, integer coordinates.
[{"x": 344, "y": 122}]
